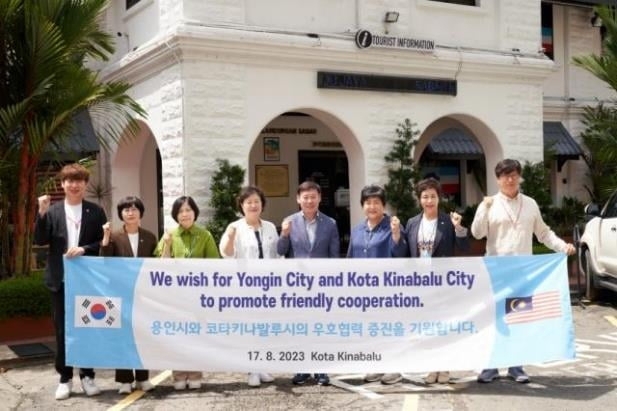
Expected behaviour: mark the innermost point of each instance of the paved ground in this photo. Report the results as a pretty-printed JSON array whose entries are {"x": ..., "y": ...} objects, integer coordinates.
[{"x": 589, "y": 382}]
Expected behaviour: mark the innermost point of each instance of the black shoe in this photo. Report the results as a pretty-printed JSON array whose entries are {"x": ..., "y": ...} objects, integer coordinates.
[
  {"x": 322, "y": 379},
  {"x": 300, "y": 379}
]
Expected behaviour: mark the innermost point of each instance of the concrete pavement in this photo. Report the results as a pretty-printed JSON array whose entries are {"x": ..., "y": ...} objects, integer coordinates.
[{"x": 26, "y": 352}]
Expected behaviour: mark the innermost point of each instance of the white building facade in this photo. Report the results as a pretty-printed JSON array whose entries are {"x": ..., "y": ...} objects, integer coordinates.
[{"x": 287, "y": 90}]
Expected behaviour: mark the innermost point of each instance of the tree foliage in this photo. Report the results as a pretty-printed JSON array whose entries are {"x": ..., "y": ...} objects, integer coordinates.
[
  {"x": 600, "y": 139},
  {"x": 224, "y": 188},
  {"x": 44, "y": 82},
  {"x": 600, "y": 135},
  {"x": 536, "y": 183},
  {"x": 402, "y": 172}
]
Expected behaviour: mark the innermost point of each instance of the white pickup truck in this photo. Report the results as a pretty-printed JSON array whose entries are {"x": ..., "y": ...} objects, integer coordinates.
[{"x": 598, "y": 248}]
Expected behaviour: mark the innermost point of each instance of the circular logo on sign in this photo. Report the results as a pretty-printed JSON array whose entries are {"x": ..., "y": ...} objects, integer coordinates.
[{"x": 364, "y": 39}]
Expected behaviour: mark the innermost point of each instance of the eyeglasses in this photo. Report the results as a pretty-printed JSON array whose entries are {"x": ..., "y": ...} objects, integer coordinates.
[
  {"x": 131, "y": 209},
  {"x": 511, "y": 176}
]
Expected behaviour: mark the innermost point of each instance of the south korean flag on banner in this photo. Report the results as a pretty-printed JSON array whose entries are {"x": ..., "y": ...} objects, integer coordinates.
[{"x": 98, "y": 312}]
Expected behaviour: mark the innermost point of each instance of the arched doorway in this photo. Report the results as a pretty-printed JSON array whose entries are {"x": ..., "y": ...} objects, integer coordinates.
[
  {"x": 136, "y": 170},
  {"x": 461, "y": 152},
  {"x": 306, "y": 144}
]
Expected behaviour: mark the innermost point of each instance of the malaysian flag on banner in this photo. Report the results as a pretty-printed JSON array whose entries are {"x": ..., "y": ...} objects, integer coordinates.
[
  {"x": 98, "y": 311},
  {"x": 537, "y": 307}
]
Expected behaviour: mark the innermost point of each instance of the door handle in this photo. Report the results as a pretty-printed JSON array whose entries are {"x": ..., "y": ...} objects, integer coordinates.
[{"x": 613, "y": 228}]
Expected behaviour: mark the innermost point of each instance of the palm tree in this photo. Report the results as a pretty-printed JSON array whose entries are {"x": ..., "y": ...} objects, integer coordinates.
[
  {"x": 44, "y": 82},
  {"x": 600, "y": 136}
]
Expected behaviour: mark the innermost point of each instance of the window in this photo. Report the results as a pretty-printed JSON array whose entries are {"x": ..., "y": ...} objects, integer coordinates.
[
  {"x": 461, "y": 2},
  {"x": 610, "y": 210},
  {"x": 131, "y": 3},
  {"x": 547, "y": 29}
]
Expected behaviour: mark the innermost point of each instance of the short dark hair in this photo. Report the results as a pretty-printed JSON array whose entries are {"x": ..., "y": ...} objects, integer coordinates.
[
  {"x": 74, "y": 171},
  {"x": 248, "y": 191},
  {"x": 507, "y": 166},
  {"x": 373, "y": 190},
  {"x": 308, "y": 186},
  {"x": 130, "y": 201},
  {"x": 428, "y": 184},
  {"x": 175, "y": 208}
]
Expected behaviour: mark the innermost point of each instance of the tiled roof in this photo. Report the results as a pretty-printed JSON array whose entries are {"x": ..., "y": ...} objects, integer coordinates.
[{"x": 559, "y": 141}]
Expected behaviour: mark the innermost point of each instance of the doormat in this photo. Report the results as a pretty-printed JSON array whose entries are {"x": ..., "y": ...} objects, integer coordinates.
[{"x": 31, "y": 350}]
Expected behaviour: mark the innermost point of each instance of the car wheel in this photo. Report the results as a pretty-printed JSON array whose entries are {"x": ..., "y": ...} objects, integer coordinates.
[{"x": 590, "y": 289}]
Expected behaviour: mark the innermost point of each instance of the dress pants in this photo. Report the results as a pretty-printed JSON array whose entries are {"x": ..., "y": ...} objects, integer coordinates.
[{"x": 128, "y": 376}]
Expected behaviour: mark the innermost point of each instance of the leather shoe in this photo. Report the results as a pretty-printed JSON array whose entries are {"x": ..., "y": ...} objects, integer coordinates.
[
  {"x": 488, "y": 375},
  {"x": 372, "y": 377},
  {"x": 518, "y": 375},
  {"x": 391, "y": 378},
  {"x": 322, "y": 379},
  {"x": 300, "y": 379}
]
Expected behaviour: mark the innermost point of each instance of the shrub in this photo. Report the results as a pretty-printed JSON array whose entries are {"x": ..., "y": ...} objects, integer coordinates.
[
  {"x": 225, "y": 187},
  {"x": 402, "y": 171},
  {"x": 24, "y": 296},
  {"x": 563, "y": 219}
]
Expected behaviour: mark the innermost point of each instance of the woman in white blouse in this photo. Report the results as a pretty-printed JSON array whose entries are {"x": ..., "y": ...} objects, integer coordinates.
[{"x": 250, "y": 237}]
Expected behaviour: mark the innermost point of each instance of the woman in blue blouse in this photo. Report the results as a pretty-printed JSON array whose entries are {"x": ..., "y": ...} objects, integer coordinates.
[{"x": 378, "y": 236}]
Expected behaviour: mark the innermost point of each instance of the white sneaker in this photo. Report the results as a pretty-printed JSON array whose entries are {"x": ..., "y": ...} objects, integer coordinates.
[
  {"x": 265, "y": 377},
  {"x": 194, "y": 384},
  {"x": 89, "y": 387},
  {"x": 64, "y": 390},
  {"x": 145, "y": 386},
  {"x": 125, "y": 388},
  {"x": 254, "y": 380},
  {"x": 444, "y": 377},
  {"x": 431, "y": 378},
  {"x": 180, "y": 385}
]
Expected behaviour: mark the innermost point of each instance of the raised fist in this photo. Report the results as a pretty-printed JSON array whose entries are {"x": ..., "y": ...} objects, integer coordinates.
[{"x": 44, "y": 202}]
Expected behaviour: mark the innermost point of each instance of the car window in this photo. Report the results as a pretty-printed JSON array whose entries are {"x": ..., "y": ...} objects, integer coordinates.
[{"x": 610, "y": 210}]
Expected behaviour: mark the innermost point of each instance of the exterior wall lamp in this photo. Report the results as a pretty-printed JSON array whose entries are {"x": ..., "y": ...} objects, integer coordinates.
[{"x": 391, "y": 17}]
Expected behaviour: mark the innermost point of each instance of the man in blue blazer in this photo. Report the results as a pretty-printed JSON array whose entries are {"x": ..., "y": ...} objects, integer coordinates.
[
  {"x": 71, "y": 228},
  {"x": 309, "y": 234}
]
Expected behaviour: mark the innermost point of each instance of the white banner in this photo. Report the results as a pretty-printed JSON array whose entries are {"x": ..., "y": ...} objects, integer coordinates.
[{"x": 317, "y": 315}]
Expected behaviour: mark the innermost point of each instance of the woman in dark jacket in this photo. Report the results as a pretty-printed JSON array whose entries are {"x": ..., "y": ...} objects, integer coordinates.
[
  {"x": 129, "y": 241},
  {"x": 433, "y": 233}
]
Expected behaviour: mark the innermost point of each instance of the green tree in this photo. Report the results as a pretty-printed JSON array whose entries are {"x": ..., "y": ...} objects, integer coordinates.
[
  {"x": 600, "y": 139},
  {"x": 224, "y": 188},
  {"x": 600, "y": 136},
  {"x": 44, "y": 82},
  {"x": 402, "y": 173},
  {"x": 536, "y": 184}
]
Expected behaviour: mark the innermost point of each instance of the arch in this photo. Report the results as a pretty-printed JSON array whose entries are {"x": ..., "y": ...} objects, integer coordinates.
[
  {"x": 479, "y": 131},
  {"x": 135, "y": 166},
  {"x": 316, "y": 143}
]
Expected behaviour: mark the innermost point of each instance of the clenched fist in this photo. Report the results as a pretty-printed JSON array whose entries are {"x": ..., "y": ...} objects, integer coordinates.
[
  {"x": 231, "y": 232},
  {"x": 106, "y": 234},
  {"x": 285, "y": 228},
  {"x": 488, "y": 202},
  {"x": 44, "y": 202},
  {"x": 456, "y": 219},
  {"x": 395, "y": 227}
]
